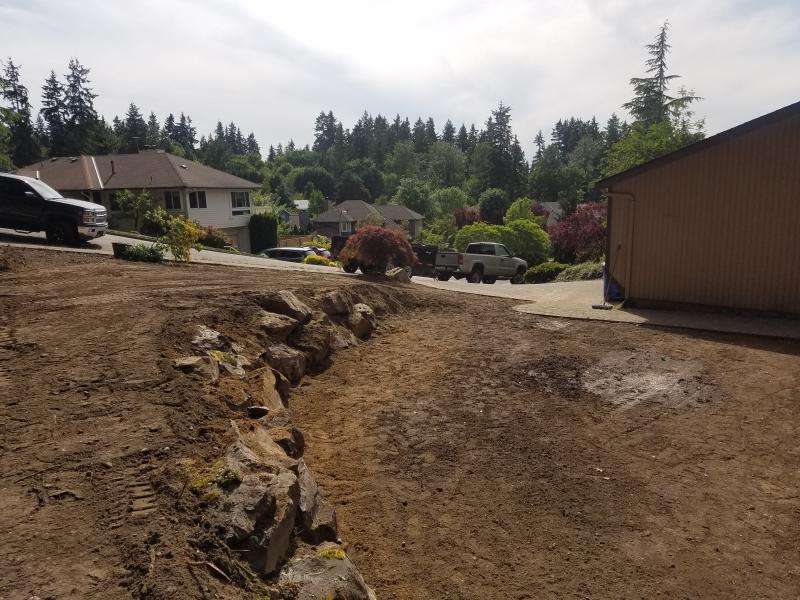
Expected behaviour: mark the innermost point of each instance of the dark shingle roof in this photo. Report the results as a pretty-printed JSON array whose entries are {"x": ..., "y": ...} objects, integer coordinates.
[
  {"x": 398, "y": 212},
  {"x": 143, "y": 170},
  {"x": 358, "y": 210}
]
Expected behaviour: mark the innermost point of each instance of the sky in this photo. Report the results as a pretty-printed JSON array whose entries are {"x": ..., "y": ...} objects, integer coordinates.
[{"x": 272, "y": 66}]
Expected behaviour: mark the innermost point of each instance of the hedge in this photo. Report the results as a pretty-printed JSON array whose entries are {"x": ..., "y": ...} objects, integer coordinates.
[
  {"x": 545, "y": 272},
  {"x": 582, "y": 272},
  {"x": 263, "y": 232}
]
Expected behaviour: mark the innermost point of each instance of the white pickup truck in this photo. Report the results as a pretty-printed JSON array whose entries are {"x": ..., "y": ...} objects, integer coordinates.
[{"x": 481, "y": 262}]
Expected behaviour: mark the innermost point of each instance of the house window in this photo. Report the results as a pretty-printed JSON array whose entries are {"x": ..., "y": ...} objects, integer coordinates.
[
  {"x": 197, "y": 200},
  {"x": 240, "y": 203},
  {"x": 345, "y": 227},
  {"x": 172, "y": 200}
]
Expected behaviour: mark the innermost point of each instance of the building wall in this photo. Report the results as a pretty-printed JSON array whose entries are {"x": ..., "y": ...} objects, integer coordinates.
[
  {"x": 717, "y": 227},
  {"x": 240, "y": 237},
  {"x": 219, "y": 212}
]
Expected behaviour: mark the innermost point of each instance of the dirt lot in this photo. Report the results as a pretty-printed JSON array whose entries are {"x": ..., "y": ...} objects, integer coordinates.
[{"x": 470, "y": 451}]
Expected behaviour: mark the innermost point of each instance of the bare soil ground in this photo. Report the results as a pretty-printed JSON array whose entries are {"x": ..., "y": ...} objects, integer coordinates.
[{"x": 471, "y": 451}]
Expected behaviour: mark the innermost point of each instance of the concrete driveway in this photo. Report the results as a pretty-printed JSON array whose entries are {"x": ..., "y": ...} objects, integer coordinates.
[
  {"x": 574, "y": 300},
  {"x": 102, "y": 245}
]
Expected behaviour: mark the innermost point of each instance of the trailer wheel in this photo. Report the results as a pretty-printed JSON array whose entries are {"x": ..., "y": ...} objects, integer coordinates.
[
  {"x": 349, "y": 267},
  {"x": 443, "y": 276}
]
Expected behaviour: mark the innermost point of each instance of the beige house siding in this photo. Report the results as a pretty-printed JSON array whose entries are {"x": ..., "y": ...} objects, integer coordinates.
[
  {"x": 719, "y": 226},
  {"x": 219, "y": 212}
]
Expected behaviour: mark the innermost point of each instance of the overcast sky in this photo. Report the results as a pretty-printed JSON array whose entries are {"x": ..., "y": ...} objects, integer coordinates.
[{"x": 272, "y": 66}]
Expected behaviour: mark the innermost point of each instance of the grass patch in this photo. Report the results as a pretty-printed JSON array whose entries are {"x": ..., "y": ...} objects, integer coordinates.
[
  {"x": 217, "y": 473},
  {"x": 333, "y": 553}
]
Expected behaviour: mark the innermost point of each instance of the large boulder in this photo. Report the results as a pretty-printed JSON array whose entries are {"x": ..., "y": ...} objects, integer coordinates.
[
  {"x": 342, "y": 338},
  {"x": 286, "y": 303},
  {"x": 260, "y": 518},
  {"x": 289, "y": 362},
  {"x": 314, "y": 339},
  {"x": 362, "y": 321},
  {"x": 399, "y": 274},
  {"x": 337, "y": 302},
  {"x": 207, "y": 339},
  {"x": 261, "y": 498},
  {"x": 206, "y": 367},
  {"x": 290, "y": 439},
  {"x": 317, "y": 515},
  {"x": 266, "y": 390},
  {"x": 324, "y": 573},
  {"x": 277, "y": 327}
]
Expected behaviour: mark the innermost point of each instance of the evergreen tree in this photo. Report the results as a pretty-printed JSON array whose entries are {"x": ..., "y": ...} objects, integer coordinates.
[
  {"x": 430, "y": 133},
  {"x": 22, "y": 143},
  {"x": 538, "y": 141},
  {"x": 463, "y": 139},
  {"x": 53, "y": 113},
  {"x": 449, "y": 132},
  {"x": 134, "y": 130},
  {"x": 651, "y": 102},
  {"x": 472, "y": 137},
  {"x": 418, "y": 136},
  {"x": 251, "y": 145},
  {"x": 271, "y": 154},
  {"x": 614, "y": 130},
  {"x": 153, "y": 136},
  {"x": 81, "y": 117}
]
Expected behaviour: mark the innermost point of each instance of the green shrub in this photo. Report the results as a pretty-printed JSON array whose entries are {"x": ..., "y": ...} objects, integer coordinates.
[
  {"x": 582, "y": 272},
  {"x": 263, "y": 232},
  {"x": 213, "y": 238},
  {"x": 155, "y": 222},
  {"x": 544, "y": 272},
  {"x": 144, "y": 253},
  {"x": 321, "y": 241},
  {"x": 181, "y": 237}
]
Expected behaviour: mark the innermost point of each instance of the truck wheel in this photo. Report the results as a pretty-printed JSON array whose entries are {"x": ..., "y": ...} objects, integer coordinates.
[
  {"x": 475, "y": 276},
  {"x": 518, "y": 278},
  {"x": 489, "y": 280},
  {"x": 443, "y": 276},
  {"x": 61, "y": 232}
]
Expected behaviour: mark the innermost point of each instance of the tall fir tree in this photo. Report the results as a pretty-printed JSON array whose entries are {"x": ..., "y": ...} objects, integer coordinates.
[
  {"x": 23, "y": 144},
  {"x": 651, "y": 102},
  {"x": 449, "y": 132}
]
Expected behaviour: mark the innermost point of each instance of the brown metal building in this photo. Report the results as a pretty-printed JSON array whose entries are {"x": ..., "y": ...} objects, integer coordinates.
[{"x": 714, "y": 224}]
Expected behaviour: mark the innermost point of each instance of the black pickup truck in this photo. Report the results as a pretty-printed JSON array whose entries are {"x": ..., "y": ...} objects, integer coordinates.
[{"x": 28, "y": 204}]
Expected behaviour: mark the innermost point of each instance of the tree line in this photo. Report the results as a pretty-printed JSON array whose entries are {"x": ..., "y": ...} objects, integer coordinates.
[{"x": 435, "y": 171}]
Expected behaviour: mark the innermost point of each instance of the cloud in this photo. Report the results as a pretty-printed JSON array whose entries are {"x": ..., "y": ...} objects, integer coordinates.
[{"x": 271, "y": 67}]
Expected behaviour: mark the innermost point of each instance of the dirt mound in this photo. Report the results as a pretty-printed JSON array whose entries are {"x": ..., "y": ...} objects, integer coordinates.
[{"x": 11, "y": 259}]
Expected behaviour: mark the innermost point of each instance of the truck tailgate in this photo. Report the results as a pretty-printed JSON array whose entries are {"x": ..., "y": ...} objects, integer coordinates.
[{"x": 447, "y": 260}]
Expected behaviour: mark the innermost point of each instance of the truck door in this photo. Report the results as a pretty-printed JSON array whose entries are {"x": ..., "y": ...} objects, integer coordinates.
[
  {"x": 16, "y": 208},
  {"x": 26, "y": 204},
  {"x": 505, "y": 266}
]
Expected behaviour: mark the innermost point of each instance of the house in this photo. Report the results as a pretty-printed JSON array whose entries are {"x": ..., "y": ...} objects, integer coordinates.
[
  {"x": 296, "y": 216},
  {"x": 181, "y": 186},
  {"x": 346, "y": 217},
  {"x": 713, "y": 224}
]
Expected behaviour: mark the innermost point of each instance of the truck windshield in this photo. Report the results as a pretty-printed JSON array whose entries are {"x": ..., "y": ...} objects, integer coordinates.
[{"x": 44, "y": 190}]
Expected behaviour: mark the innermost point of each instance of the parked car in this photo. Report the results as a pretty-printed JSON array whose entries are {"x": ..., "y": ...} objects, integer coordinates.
[
  {"x": 28, "y": 204},
  {"x": 320, "y": 251},
  {"x": 287, "y": 254},
  {"x": 482, "y": 262}
]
